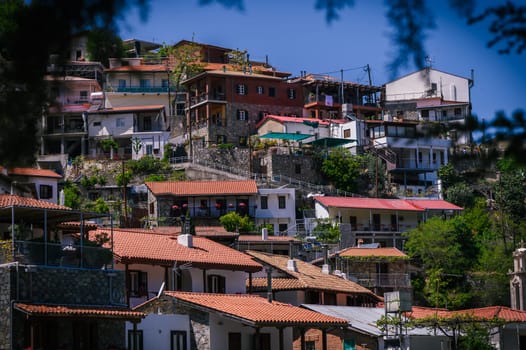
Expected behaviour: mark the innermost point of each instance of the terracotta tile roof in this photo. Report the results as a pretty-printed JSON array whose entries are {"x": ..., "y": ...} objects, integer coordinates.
[
  {"x": 434, "y": 204},
  {"x": 33, "y": 172},
  {"x": 436, "y": 102},
  {"x": 76, "y": 225},
  {"x": 278, "y": 284},
  {"x": 310, "y": 276},
  {"x": 147, "y": 247},
  {"x": 127, "y": 109},
  {"x": 367, "y": 203},
  {"x": 77, "y": 108},
  {"x": 203, "y": 188},
  {"x": 203, "y": 231},
  {"x": 257, "y": 238},
  {"x": 372, "y": 252},
  {"x": 486, "y": 313},
  {"x": 9, "y": 200},
  {"x": 40, "y": 310},
  {"x": 256, "y": 310},
  {"x": 139, "y": 68}
]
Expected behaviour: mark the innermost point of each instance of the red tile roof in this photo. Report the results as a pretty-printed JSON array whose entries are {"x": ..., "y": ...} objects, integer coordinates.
[
  {"x": 372, "y": 252},
  {"x": 367, "y": 203},
  {"x": 33, "y": 172},
  {"x": 147, "y": 247},
  {"x": 256, "y": 310},
  {"x": 484, "y": 313},
  {"x": 434, "y": 204},
  {"x": 9, "y": 200},
  {"x": 203, "y": 231},
  {"x": 203, "y": 188},
  {"x": 257, "y": 238},
  {"x": 310, "y": 276},
  {"x": 78, "y": 311}
]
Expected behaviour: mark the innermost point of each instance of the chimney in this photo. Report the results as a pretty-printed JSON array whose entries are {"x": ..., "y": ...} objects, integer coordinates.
[
  {"x": 185, "y": 240},
  {"x": 325, "y": 268},
  {"x": 264, "y": 234},
  {"x": 269, "y": 284}
]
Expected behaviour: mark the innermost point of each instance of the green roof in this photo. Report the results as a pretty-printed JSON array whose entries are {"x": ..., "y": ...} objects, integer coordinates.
[
  {"x": 285, "y": 136},
  {"x": 329, "y": 142}
]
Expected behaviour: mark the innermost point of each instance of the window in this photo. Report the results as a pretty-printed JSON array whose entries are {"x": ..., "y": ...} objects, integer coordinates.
[
  {"x": 347, "y": 133},
  {"x": 152, "y": 208},
  {"x": 310, "y": 345},
  {"x": 264, "y": 202},
  {"x": 234, "y": 341},
  {"x": 281, "y": 202},
  {"x": 177, "y": 340},
  {"x": 96, "y": 123},
  {"x": 354, "y": 223},
  {"x": 291, "y": 93},
  {"x": 272, "y": 91},
  {"x": 458, "y": 111},
  {"x": 46, "y": 191},
  {"x": 164, "y": 83},
  {"x": 297, "y": 168},
  {"x": 434, "y": 155},
  {"x": 83, "y": 95},
  {"x": 215, "y": 284},
  {"x": 122, "y": 84},
  {"x": 434, "y": 87},
  {"x": 147, "y": 123},
  {"x": 149, "y": 150},
  {"x": 242, "y": 114},
  {"x": 260, "y": 90},
  {"x": 241, "y": 89},
  {"x": 135, "y": 340},
  {"x": 329, "y": 298},
  {"x": 444, "y": 113},
  {"x": 425, "y": 113},
  {"x": 420, "y": 157},
  {"x": 283, "y": 227},
  {"x": 120, "y": 123},
  {"x": 138, "y": 282},
  {"x": 144, "y": 83}
]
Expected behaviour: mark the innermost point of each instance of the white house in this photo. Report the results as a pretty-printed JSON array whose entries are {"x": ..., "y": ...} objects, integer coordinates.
[
  {"x": 277, "y": 207},
  {"x": 42, "y": 182}
]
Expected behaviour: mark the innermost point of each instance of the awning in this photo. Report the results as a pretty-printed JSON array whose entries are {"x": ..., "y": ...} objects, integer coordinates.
[
  {"x": 329, "y": 142},
  {"x": 42, "y": 310},
  {"x": 285, "y": 136}
]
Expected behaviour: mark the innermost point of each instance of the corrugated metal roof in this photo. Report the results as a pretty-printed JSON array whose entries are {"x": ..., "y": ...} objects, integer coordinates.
[{"x": 434, "y": 204}]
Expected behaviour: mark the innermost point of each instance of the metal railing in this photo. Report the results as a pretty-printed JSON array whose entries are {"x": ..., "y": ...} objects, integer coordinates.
[{"x": 371, "y": 280}]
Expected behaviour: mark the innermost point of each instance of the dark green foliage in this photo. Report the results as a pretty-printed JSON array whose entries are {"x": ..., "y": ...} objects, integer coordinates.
[
  {"x": 342, "y": 169},
  {"x": 233, "y": 222},
  {"x": 326, "y": 231},
  {"x": 147, "y": 165},
  {"x": 72, "y": 195},
  {"x": 104, "y": 43}
]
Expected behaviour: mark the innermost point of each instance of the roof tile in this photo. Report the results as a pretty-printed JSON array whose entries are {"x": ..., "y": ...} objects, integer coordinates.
[
  {"x": 76, "y": 311},
  {"x": 203, "y": 188},
  {"x": 10, "y": 200}
]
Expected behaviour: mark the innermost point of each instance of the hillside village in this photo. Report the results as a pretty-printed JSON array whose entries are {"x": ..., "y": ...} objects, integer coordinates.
[{"x": 117, "y": 237}]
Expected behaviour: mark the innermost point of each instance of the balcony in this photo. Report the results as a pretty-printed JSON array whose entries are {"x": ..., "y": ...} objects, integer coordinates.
[
  {"x": 381, "y": 280},
  {"x": 85, "y": 255},
  {"x": 203, "y": 97},
  {"x": 142, "y": 89}
]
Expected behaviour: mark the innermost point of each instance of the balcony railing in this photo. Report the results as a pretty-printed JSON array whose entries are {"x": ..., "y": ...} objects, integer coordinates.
[
  {"x": 57, "y": 254},
  {"x": 142, "y": 89},
  {"x": 206, "y": 97},
  {"x": 372, "y": 280}
]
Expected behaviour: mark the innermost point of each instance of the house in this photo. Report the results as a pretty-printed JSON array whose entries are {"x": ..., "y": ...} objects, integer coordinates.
[
  {"x": 379, "y": 220},
  {"x": 362, "y": 332},
  {"x": 298, "y": 282},
  {"x": 205, "y": 201},
  {"x": 183, "y": 320},
  {"x": 137, "y": 131},
  {"x": 153, "y": 260},
  {"x": 58, "y": 289},
  {"x": 380, "y": 269},
  {"x": 42, "y": 183},
  {"x": 334, "y": 98},
  {"x": 283, "y": 245},
  {"x": 225, "y": 105},
  {"x": 424, "y": 115}
]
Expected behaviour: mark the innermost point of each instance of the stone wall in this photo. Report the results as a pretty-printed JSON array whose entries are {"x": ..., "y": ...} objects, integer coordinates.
[
  {"x": 5, "y": 307},
  {"x": 72, "y": 286}
]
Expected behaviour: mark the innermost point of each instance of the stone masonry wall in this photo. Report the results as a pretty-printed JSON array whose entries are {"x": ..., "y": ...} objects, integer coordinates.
[{"x": 5, "y": 307}]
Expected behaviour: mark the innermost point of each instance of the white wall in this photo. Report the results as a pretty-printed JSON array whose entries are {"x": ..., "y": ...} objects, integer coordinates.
[
  {"x": 274, "y": 215},
  {"x": 108, "y": 125},
  {"x": 156, "y": 329}
]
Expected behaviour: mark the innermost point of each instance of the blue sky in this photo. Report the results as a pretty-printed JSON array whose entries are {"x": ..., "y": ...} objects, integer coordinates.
[{"x": 295, "y": 36}]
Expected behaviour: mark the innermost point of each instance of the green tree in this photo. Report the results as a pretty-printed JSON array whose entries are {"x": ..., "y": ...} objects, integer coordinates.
[
  {"x": 233, "y": 222},
  {"x": 72, "y": 195},
  {"x": 103, "y": 44},
  {"x": 326, "y": 231},
  {"x": 342, "y": 169},
  {"x": 238, "y": 59},
  {"x": 187, "y": 62}
]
